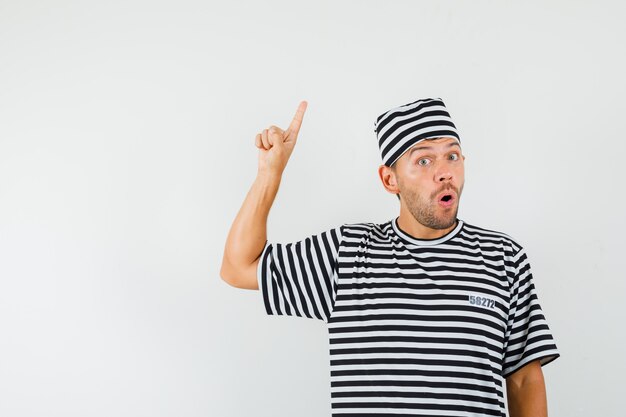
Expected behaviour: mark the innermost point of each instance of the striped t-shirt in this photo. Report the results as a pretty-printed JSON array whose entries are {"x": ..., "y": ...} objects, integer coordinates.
[{"x": 417, "y": 327}]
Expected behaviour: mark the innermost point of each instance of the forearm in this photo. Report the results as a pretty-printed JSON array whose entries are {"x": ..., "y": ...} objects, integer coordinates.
[
  {"x": 248, "y": 232},
  {"x": 528, "y": 399}
]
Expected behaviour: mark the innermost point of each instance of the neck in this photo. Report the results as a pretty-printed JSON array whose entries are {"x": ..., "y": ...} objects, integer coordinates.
[{"x": 407, "y": 223}]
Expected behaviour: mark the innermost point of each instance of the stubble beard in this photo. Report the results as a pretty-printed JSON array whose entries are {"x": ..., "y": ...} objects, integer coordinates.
[{"x": 427, "y": 212}]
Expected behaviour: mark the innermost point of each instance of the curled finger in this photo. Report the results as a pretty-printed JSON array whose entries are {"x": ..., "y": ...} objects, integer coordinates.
[
  {"x": 275, "y": 135},
  {"x": 265, "y": 140}
]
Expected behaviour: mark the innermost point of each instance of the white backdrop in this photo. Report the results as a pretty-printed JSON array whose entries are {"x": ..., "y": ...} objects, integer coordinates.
[{"x": 127, "y": 147}]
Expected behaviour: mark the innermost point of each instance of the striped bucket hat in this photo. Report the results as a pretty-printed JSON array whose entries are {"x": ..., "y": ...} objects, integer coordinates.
[{"x": 398, "y": 129}]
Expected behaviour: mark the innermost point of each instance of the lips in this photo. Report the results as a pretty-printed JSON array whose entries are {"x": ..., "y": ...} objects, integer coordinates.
[{"x": 446, "y": 198}]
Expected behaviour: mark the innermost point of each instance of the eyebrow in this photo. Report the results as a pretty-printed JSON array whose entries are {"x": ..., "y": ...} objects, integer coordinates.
[{"x": 430, "y": 147}]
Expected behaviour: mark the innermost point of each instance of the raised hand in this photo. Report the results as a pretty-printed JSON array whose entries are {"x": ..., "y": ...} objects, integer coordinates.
[{"x": 275, "y": 145}]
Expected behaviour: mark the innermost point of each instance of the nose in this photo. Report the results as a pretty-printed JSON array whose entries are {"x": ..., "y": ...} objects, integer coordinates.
[{"x": 444, "y": 175}]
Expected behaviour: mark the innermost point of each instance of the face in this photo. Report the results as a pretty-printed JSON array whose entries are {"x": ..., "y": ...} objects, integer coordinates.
[{"x": 426, "y": 172}]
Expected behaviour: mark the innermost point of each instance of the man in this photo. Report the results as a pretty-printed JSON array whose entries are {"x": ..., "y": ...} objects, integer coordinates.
[{"x": 427, "y": 314}]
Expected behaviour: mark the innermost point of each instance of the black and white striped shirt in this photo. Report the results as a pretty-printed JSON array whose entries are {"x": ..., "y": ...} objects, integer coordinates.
[{"x": 416, "y": 326}]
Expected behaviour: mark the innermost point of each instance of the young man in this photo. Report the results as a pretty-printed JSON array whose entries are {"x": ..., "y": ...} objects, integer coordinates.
[{"x": 427, "y": 314}]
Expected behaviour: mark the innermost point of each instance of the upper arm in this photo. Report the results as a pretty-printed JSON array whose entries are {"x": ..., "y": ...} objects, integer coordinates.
[
  {"x": 249, "y": 279},
  {"x": 526, "y": 391},
  {"x": 529, "y": 372},
  {"x": 528, "y": 336},
  {"x": 300, "y": 278}
]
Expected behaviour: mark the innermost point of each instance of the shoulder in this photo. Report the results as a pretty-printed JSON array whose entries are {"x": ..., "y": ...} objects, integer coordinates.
[
  {"x": 510, "y": 250},
  {"x": 360, "y": 231},
  {"x": 491, "y": 236}
]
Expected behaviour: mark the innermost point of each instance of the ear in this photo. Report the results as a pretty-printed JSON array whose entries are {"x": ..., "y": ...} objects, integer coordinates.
[{"x": 388, "y": 178}]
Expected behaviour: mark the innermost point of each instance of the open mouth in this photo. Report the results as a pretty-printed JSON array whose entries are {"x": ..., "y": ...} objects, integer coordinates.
[{"x": 446, "y": 200}]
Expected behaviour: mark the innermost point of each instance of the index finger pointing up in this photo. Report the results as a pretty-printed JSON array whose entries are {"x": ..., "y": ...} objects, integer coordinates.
[{"x": 294, "y": 127}]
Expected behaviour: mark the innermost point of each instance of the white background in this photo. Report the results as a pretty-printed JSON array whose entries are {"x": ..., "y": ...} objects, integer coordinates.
[{"x": 127, "y": 147}]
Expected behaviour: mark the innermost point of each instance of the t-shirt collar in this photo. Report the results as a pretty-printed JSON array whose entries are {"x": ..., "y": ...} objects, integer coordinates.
[{"x": 425, "y": 242}]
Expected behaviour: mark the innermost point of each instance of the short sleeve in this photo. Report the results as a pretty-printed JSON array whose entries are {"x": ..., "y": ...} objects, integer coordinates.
[
  {"x": 300, "y": 278},
  {"x": 528, "y": 336}
]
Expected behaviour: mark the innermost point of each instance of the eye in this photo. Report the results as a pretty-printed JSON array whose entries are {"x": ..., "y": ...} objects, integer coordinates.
[
  {"x": 419, "y": 161},
  {"x": 456, "y": 156}
]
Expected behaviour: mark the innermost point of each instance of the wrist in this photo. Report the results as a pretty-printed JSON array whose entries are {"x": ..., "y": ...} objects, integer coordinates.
[{"x": 269, "y": 176}]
